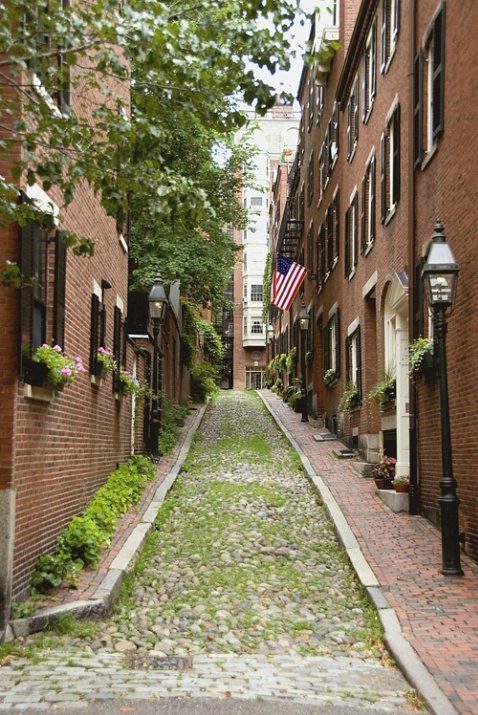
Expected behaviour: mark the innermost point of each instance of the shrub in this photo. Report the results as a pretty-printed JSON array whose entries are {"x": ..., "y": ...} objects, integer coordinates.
[{"x": 203, "y": 381}]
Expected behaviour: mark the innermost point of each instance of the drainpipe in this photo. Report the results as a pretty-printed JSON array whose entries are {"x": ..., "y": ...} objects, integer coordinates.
[{"x": 412, "y": 295}]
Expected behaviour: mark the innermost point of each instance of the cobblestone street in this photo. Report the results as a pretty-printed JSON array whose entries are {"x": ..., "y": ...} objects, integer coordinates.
[{"x": 242, "y": 592}]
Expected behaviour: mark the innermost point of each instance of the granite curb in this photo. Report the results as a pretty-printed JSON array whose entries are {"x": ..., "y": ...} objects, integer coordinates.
[
  {"x": 101, "y": 603},
  {"x": 404, "y": 655}
]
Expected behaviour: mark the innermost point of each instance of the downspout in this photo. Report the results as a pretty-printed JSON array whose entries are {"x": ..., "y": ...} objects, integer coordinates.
[{"x": 412, "y": 294}]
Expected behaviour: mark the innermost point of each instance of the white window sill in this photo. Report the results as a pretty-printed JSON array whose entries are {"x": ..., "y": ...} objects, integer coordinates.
[{"x": 429, "y": 154}]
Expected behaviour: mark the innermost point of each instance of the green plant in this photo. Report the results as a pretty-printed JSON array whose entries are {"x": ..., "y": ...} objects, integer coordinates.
[
  {"x": 330, "y": 376},
  {"x": 349, "y": 398},
  {"x": 129, "y": 384},
  {"x": 417, "y": 350},
  {"x": 81, "y": 542},
  {"x": 204, "y": 378},
  {"x": 291, "y": 360},
  {"x": 106, "y": 359},
  {"x": 402, "y": 479},
  {"x": 62, "y": 369},
  {"x": 385, "y": 469},
  {"x": 384, "y": 390}
]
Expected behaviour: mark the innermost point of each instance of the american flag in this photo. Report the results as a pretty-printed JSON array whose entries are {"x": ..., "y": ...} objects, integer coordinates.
[{"x": 286, "y": 282}]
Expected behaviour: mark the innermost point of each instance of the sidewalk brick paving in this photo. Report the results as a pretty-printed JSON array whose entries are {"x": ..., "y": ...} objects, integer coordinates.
[{"x": 438, "y": 615}]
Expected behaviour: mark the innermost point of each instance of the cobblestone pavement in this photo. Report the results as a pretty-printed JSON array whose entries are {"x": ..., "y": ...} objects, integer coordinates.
[{"x": 245, "y": 594}]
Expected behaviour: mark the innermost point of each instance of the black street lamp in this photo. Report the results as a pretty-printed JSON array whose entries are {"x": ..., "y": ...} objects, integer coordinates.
[
  {"x": 158, "y": 303},
  {"x": 304, "y": 326},
  {"x": 440, "y": 275}
]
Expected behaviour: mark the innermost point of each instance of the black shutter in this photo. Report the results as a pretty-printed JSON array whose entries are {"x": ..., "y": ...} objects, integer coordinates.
[
  {"x": 337, "y": 223},
  {"x": 418, "y": 293},
  {"x": 372, "y": 197},
  {"x": 355, "y": 236},
  {"x": 350, "y": 113},
  {"x": 356, "y": 110},
  {"x": 439, "y": 73},
  {"x": 396, "y": 29},
  {"x": 326, "y": 347},
  {"x": 59, "y": 291},
  {"x": 383, "y": 175},
  {"x": 418, "y": 111},
  {"x": 348, "y": 377},
  {"x": 384, "y": 37},
  {"x": 396, "y": 156},
  {"x": 358, "y": 357},
  {"x": 363, "y": 218},
  {"x": 337, "y": 342},
  {"x": 94, "y": 332},
  {"x": 373, "y": 60},
  {"x": 117, "y": 346},
  {"x": 330, "y": 237},
  {"x": 336, "y": 127},
  {"x": 25, "y": 293},
  {"x": 347, "y": 244}
]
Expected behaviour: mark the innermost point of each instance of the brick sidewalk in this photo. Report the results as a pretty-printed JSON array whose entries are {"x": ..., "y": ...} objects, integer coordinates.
[{"x": 438, "y": 615}]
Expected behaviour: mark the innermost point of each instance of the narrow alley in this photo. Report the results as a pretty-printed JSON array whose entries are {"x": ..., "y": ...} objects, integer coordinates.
[{"x": 242, "y": 591}]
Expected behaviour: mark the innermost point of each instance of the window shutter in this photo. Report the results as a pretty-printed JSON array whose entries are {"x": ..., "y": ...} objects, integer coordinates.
[
  {"x": 373, "y": 61},
  {"x": 363, "y": 217},
  {"x": 336, "y": 127},
  {"x": 349, "y": 127},
  {"x": 372, "y": 197},
  {"x": 326, "y": 341},
  {"x": 117, "y": 346},
  {"x": 439, "y": 73},
  {"x": 322, "y": 251},
  {"x": 358, "y": 356},
  {"x": 418, "y": 295},
  {"x": 383, "y": 181},
  {"x": 337, "y": 223},
  {"x": 384, "y": 39},
  {"x": 418, "y": 111},
  {"x": 348, "y": 377},
  {"x": 364, "y": 86},
  {"x": 396, "y": 21},
  {"x": 356, "y": 110},
  {"x": 94, "y": 331},
  {"x": 26, "y": 292},
  {"x": 396, "y": 156},
  {"x": 59, "y": 295},
  {"x": 347, "y": 243},
  {"x": 330, "y": 237},
  {"x": 355, "y": 236},
  {"x": 337, "y": 341}
]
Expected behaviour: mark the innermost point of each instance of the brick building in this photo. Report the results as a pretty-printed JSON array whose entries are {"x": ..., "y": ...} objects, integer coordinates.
[
  {"x": 381, "y": 156},
  {"x": 275, "y": 138},
  {"x": 57, "y": 447}
]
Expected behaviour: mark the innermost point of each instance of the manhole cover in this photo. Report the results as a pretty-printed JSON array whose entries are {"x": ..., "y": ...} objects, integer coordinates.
[{"x": 159, "y": 662}]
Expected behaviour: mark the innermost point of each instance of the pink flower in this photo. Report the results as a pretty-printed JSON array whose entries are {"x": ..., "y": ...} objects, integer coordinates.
[
  {"x": 57, "y": 348},
  {"x": 66, "y": 371},
  {"x": 45, "y": 345}
]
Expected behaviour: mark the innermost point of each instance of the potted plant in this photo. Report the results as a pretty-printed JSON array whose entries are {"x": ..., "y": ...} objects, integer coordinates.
[
  {"x": 291, "y": 360},
  {"x": 52, "y": 368},
  {"x": 127, "y": 384},
  {"x": 385, "y": 390},
  {"x": 350, "y": 398},
  {"x": 105, "y": 362},
  {"x": 330, "y": 376},
  {"x": 420, "y": 355},
  {"x": 384, "y": 472},
  {"x": 400, "y": 484}
]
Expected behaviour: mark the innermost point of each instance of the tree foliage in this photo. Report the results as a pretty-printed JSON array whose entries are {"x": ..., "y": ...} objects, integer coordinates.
[{"x": 180, "y": 57}]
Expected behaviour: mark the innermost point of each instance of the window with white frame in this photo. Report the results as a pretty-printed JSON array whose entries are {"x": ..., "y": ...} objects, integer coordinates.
[
  {"x": 256, "y": 326},
  {"x": 390, "y": 164},
  {"x": 351, "y": 236},
  {"x": 368, "y": 205},
  {"x": 353, "y": 119},
  {"x": 256, "y": 200},
  {"x": 332, "y": 343},
  {"x": 310, "y": 179},
  {"x": 434, "y": 55},
  {"x": 389, "y": 31},
  {"x": 256, "y": 293},
  {"x": 353, "y": 366},
  {"x": 319, "y": 103},
  {"x": 369, "y": 81}
]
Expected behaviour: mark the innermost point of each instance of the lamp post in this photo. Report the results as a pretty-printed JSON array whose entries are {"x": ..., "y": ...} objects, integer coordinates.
[
  {"x": 440, "y": 275},
  {"x": 304, "y": 326},
  {"x": 158, "y": 304}
]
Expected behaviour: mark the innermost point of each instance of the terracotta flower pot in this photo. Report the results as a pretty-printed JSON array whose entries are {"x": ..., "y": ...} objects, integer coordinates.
[{"x": 401, "y": 487}]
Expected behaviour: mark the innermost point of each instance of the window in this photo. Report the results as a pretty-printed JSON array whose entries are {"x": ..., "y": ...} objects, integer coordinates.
[
  {"x": 353, "y": 366},
  {"x": 329, "y": 149},
  {"x": 332, "y": 343},
  {"x": 390, "y": 165},
  {"x": 310, "y": 105},
  {"x": 244, "y": 327},
  {"x": 256, "y": 327},
  {"x": 353, "y": 120},
  {"x": 319, "y": 103},
  {"x": 369, "y": 82},
  {"x": 368, "y": 206},
  {"x": 256, "y": 201},
  {"x": 351, "y": 236},
  {"x": 42, "y": 263},
  {"x": 310, "y": 179},
  {"x": 256, "y": 293},
  {"x": 119, "y": 344},
  {"x": 321, "y": 259},
  {"x": 389, "y": 32},
  {"x": 310, "y": 248},
  {"x": 49, "y": 67},
  {"x": 434, "y": 56}
]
